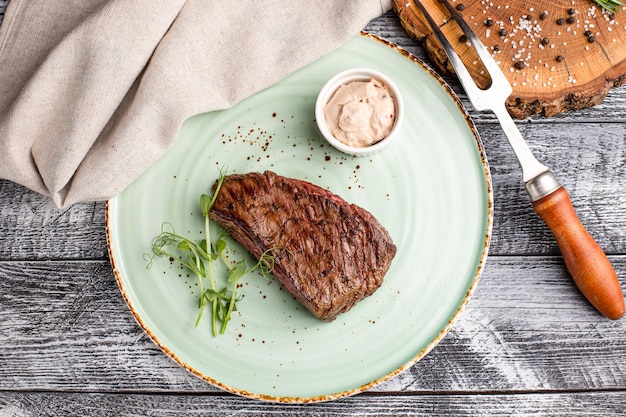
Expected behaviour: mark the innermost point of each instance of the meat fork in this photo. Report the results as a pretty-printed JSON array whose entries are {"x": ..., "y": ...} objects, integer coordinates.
[{"x": 585, "y": 260}]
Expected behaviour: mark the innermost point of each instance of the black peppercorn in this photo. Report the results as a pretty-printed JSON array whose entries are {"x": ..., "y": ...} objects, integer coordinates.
[
  {"x": 571, "y": 20},
  {"x": 560, "y": 21},
  {"x": 463, "y": 38},
  {"x": 543, "y": 16},
  {"x": 545, "y": 41},
  {"x": 460, "y": 7},
  {"x": 571, "y": 12},
  {"x": 588, "y": 33},
  {"x": 496, "y": 48},
  {"x": 519, "y": 65},
  {"x": 591, "y": 39},
  {"x": 489, "y": 22},
  {"x": 504, "y": 32},
  {"x": 559, "y": 58}
]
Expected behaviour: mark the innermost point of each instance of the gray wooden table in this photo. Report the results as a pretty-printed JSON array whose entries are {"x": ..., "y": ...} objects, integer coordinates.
[{"x": 527, "y": 344}]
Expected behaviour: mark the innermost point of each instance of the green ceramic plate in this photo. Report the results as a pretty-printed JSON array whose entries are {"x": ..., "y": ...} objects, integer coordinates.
[{"x": 430, "y": 188}]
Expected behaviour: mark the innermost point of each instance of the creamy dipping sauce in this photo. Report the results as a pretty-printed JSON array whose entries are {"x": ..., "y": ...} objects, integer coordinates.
[{"x": 361, "y": 113}]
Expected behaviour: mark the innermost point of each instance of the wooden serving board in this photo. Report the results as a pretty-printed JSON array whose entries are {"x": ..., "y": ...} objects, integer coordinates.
[{"x": 558, "y": 54}]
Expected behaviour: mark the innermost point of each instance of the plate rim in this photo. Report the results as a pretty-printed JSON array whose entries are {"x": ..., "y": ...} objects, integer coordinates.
[{"x": 334, "y": 396}]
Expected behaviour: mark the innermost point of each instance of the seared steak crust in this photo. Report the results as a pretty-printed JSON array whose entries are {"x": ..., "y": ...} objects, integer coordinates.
[{"x": 336, "y": 253}]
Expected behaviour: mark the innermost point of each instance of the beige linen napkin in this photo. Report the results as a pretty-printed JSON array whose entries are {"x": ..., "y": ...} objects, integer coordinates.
[{"x": 92, "y": 92}]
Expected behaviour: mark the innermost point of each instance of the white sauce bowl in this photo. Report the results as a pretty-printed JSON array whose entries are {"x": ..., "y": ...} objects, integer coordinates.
[{"x": 345, "y": 77}]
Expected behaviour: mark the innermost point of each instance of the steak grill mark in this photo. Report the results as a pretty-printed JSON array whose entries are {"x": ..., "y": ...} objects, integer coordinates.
[{"x": 335, "y": 253}]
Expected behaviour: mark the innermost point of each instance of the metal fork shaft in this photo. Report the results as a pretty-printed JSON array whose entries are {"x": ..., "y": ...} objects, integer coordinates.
[
  {"x": 585, "y": 260},
  {"x": 531, "y": 167},
  {"x": 493, "y": 98}
]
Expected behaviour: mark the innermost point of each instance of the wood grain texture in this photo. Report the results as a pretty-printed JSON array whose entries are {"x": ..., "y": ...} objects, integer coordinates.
[
  {"x": 3, "y": 7},
  {"x": 588, "y": 158},
  {"x": 527, "y": 329},
  {"x": 559, "y": 55},
  {"x": 96, "y": 405},
  {"x": 33, "y": 228},
  {"x": 611, "y": 109},
  {"x": 527, "y": 344}
]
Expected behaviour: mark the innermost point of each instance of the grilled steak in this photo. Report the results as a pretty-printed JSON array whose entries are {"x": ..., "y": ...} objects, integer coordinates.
[{"x": 336, "y": 253}]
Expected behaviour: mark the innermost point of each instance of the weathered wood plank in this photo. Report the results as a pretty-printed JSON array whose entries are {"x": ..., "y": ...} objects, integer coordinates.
[
  {"x": 17, "y": 404},
  {"x": 3, "y": 7},
  {"x": 33, "y": 228},
  {"x": 527, "y": 344},
  {"x": 527, "y": 326},
  {"x": 588, "y": 160},
  {"x": 65, "y": 327}
]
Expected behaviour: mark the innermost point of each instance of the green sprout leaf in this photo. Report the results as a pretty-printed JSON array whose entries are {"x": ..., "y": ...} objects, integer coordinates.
[{"x": 199, "y": 256}]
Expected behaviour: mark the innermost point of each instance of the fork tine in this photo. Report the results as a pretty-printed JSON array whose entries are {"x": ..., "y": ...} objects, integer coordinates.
[
  {"x": 500, "y": 86},
  {"x": 461, "y": 72},
  {"x": 485, "y": 56}
]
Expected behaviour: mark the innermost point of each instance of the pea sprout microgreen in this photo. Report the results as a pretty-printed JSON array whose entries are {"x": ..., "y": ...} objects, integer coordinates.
[{"x": 199, "y": 257}]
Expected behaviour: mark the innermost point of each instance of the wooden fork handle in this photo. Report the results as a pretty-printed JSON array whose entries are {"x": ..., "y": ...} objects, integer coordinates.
[{"x": 585, "y": 260}]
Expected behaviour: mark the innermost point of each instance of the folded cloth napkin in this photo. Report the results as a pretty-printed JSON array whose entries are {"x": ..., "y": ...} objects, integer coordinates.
[{"x": 92, "y": 92}]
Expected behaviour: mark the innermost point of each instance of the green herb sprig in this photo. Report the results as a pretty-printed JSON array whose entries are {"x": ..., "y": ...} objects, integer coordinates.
[
  {"x": 199, "y": 256},
  {"x": 609, "y": 5}
]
